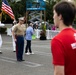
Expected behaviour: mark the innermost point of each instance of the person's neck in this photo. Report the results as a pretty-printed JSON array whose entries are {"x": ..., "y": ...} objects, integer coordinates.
[
  {"x": 63, "y": 26},
  {"x": 30, "y": 26},
  {"x": 19, "y": 23}
]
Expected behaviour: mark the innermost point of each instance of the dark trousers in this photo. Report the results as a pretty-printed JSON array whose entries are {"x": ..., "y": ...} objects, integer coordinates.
[
  {"x": 19, "y": 47},
  {"x": 28, "y": 46}
]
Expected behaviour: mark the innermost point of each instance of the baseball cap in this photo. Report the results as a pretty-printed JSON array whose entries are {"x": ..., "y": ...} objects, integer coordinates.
[{"x": 21, "y": 18}]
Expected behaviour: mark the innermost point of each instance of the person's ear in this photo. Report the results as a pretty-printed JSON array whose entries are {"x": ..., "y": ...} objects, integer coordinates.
[{"x": 60, "y": 17}]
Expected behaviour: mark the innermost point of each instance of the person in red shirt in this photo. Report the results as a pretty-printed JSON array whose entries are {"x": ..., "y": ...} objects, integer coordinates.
[{"x": 63, "y": 45}]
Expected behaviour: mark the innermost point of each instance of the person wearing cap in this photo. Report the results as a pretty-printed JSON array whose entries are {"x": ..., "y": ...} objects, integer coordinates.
[
  {"x": 13, "y": 41},
  {"x": 18, "y": 34},
  {"x": 28, "y": 38}
]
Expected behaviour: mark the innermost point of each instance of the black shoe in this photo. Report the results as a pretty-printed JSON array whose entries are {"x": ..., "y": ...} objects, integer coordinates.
[
  {"x": 14, "y": 51},
  {"x": 22, "y": 60},
  {"x": 19, "y": 60},
  {"x": 0, "y": 52}
]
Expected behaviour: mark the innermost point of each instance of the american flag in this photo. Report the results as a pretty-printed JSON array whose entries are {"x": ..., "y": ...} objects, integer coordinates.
[{"x": 7, "y": 9}]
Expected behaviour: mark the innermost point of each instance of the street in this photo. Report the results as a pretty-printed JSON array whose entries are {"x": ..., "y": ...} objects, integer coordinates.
[{"x": 40, "y": 63}]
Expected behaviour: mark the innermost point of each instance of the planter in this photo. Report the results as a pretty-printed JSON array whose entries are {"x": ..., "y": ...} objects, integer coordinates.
[{"x": 42, "y": 35}]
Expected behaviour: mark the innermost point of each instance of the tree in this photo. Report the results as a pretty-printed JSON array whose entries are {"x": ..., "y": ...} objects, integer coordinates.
[{"x": 49, "y": 10}]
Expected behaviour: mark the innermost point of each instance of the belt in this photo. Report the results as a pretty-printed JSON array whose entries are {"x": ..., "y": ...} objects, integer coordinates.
[{"x": 19, "y": 35}]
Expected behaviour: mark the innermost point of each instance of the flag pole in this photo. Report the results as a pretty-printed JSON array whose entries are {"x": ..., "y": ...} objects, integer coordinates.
[{"x": 0, "y": 17}]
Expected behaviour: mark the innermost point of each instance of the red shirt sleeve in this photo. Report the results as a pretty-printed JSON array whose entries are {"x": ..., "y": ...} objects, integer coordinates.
[{"x": 57, "y": 52}]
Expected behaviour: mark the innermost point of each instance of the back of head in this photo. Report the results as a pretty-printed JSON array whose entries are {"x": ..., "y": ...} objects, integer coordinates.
[
  {"x": 67, "y": 10},
  {"x": 30, "y": 24}
]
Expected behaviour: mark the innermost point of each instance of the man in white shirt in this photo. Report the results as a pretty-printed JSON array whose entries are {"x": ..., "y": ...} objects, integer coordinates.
[{"x": 13, "y": 41}]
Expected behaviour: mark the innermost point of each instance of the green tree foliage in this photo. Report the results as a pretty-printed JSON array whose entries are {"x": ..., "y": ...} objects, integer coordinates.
[
  {"x": 49, "y": 10},
  {"x": 19, "y": 8},
  {"x": 0, "y": 3}
]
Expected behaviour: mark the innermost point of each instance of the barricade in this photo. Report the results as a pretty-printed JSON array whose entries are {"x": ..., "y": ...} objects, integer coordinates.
[{"x": 49, "y": 33}]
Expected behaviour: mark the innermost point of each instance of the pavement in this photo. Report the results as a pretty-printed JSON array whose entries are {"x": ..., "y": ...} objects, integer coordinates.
[{"x": 40, "y": 63}]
